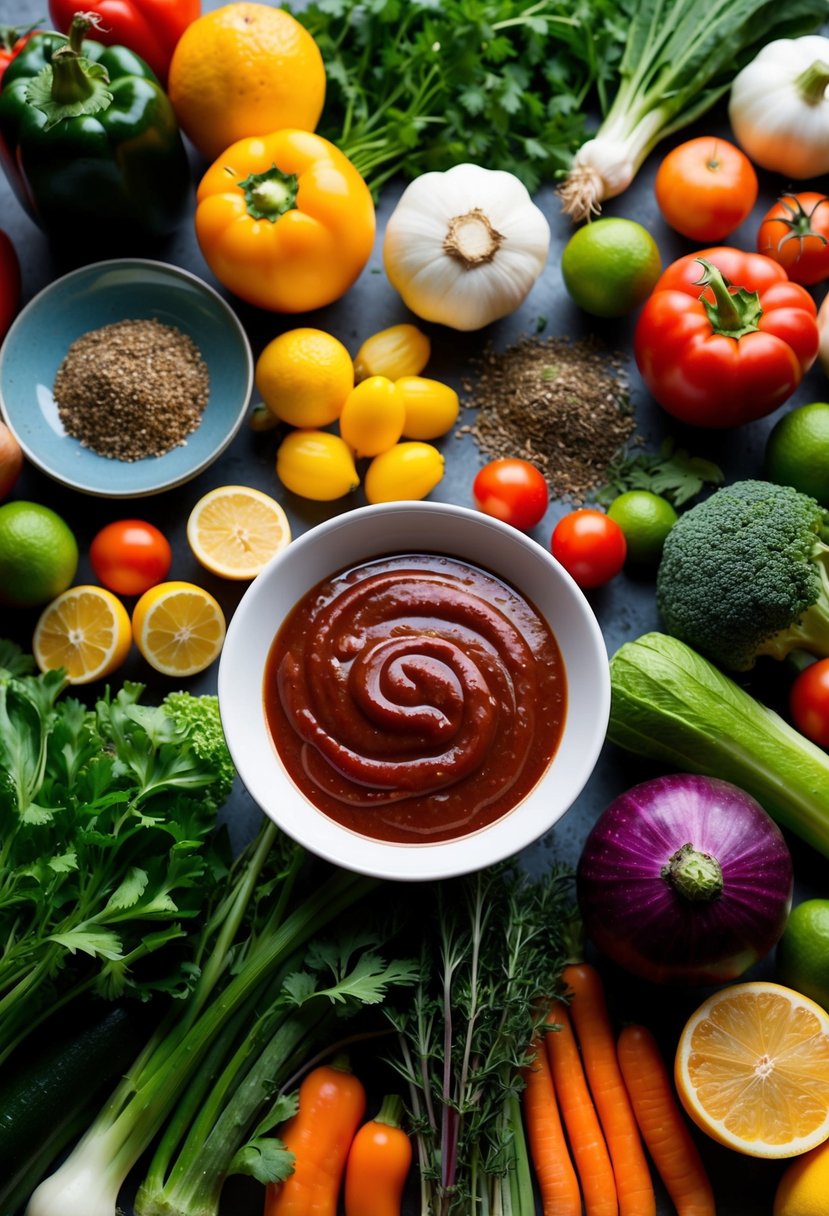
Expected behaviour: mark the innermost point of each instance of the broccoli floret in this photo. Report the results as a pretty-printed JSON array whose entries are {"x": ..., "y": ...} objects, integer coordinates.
[
  {"x": 199, "y": 716},
  {"x": 746, "y": 573}
]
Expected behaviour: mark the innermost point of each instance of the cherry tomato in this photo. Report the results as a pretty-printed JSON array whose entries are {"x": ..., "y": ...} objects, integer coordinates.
[
  {"x": 590, "y": 546},
  {"x": 705, "y": 188},
  {"x": 795, "y": 233},
  {"x": 513, "y": 491},
  {"x": 130, "y": 556},
  {"x": 809, "y": 702}
]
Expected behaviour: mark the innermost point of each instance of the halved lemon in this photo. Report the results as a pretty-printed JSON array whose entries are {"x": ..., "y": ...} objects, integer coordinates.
[
  {"x": 179, "y": 628},
  {"x": 234, "y": 531},
  {"x": 752, "y": 1069},
  {"x": 86, "y": 630}
]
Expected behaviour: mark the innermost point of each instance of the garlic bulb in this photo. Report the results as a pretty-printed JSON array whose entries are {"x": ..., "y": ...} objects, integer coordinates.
[
  {"x": 464, "y": 247},
  {"x": 779, "y": 107}
]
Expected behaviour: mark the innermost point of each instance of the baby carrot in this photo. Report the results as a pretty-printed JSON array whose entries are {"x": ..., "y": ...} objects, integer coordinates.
[
  {"x": 557, "y": 1182},
  {"x": 591, "y": 1021},
  {"x": 662, "y": 1124},
  {"x": 584, "y": 1131}
]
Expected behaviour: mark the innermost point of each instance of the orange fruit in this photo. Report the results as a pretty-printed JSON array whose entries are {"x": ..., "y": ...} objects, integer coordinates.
[
  {"x": 752, "y": 1069},
  {"x": 234, "y": 531},
  {"x": 86, "y": 631},
  {"x": 179, "y": 628},
  {"x": 245, "y": 69}
]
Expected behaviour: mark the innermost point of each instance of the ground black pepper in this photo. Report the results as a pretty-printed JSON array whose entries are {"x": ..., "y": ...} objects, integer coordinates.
[
  {"x": 562, "y": 405},
  {"x": 132, "y": 390}
]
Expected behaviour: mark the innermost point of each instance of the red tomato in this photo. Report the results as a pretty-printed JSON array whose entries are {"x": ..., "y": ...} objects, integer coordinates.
[
  {"x": 729, "y": 352},
  {"x": 809, "y": 702},
  {"x": 795, "y": 233},
  {"x": 705, "y": 188},
  {"x": 590, "y": 546},
  {"x": 513, "y": 491},
  {"x": 130, "y": 556},
  {"x": 9, "y": 283}
]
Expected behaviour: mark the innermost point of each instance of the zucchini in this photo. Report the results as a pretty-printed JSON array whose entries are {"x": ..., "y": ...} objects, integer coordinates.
[{"x": 51, "y": 1099}]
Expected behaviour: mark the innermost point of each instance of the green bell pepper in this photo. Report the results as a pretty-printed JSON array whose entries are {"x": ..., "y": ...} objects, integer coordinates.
[{"x": 89, "y": 141}]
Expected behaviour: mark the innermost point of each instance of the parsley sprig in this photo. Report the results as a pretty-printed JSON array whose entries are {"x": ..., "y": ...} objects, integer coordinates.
[
  {"x": 671, "y": 472},
  {"x": 426, "y": 84},
  {"x": 106, "y": 821}
]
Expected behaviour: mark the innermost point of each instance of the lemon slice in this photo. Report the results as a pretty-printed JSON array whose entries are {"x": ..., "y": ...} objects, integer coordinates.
[
  {"x": 179, "y": 628},
  {"x": 86, "y": 630},
  {"x": 234, "y": 531},
  {"x": 752, "y": 1069}
]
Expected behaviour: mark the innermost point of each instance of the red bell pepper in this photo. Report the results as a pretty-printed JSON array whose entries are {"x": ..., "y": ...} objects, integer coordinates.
[
  {"x": 9, "y": 283},
  {"x": 150, "y": 28},
  {"x": 725, "y": 337},
  {"x": 13, "y": 38}
]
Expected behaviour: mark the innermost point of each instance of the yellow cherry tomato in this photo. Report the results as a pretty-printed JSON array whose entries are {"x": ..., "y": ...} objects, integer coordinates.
[
  {"x": 285, "y": 221},
  {"x": 400, "y": 350},
  {"x": 316, "y": 464},
  {"x": 371, "y": 420},
  {"x": 408, "y": 470},
  {"x": 432, "y": 408}
]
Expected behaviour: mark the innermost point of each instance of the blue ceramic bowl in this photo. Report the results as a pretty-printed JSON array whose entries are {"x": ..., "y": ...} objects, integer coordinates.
[{"x": 97, "y": 295}]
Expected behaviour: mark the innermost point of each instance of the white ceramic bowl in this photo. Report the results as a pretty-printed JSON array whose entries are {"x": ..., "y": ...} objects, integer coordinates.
[{"x": 428, "y": 527}]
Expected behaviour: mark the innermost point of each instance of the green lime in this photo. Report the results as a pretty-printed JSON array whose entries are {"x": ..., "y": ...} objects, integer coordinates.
[
  {"x": 646, "y": 519},
  {"x": 610, "y": 266},
  {"x": 802, "y": 960},
  {"x": 38, "y": 554},
  {"x": 797, "y": 450}
]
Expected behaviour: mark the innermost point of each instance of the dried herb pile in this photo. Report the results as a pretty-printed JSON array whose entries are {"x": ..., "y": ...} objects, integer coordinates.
[{"x": 562, "y": 405}]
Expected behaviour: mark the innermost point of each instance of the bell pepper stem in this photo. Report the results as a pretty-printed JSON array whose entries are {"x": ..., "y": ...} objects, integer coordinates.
[
  {"x": 732, "y": 313},
  {"x": 71, "y": 85},
  {"x": 270, "y": 194}
]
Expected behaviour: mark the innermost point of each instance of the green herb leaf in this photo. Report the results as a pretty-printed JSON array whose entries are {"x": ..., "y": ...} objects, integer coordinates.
[{"x": 266, "y": 1160}]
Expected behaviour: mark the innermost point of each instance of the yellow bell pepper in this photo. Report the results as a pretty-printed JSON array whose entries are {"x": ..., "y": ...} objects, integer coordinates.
[{"x": 285, "y": 221}]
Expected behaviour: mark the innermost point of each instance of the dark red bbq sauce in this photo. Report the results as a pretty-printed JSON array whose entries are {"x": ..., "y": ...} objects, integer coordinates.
[{"x": 415, "y": 698}]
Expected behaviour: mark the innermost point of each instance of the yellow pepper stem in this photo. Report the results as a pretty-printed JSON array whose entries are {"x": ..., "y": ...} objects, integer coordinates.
[{"x": 270, "y": 194}]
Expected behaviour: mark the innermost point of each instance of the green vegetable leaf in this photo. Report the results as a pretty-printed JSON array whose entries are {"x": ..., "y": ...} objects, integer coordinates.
[
  {"x": 672, "y": 473},
  {"x": 129, "y": 892},
  {"x": 98, "y": 943},
  {"x": 265, "y": 1159}
]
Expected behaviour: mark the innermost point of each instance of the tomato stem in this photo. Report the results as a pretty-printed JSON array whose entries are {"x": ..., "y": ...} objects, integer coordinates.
[{"x": 732, "y": 313}]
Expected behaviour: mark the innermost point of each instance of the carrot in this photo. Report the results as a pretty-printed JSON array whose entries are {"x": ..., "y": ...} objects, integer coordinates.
[
  {"x": 579, "y": 1114},
  {"x": 332, "y": 1101},
  {"x": 557, "y": 1182},
  {"x": 591, "y": 1021},
  {"x": 663, "y": 1127},
  {"x": 378, "y": 1164}
]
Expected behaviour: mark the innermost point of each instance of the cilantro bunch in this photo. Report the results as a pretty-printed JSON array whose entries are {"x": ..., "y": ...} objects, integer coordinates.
[
  {"x": 106, "y": 840},
  {"x": 417, "y": 85}
]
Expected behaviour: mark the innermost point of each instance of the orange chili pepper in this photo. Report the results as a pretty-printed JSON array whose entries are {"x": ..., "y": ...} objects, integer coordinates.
[
  {"x": 332, "y": 1101},
  {"x": 378, "y": 1164}
]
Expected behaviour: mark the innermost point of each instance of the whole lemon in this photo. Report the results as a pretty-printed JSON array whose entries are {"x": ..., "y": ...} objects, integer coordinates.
[
  {"x": 245, "y": 69},
  {"x": 803, "y": 1189},
  {"x": 305, "y": 376},
  {"x": 38, "y": 554}
]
